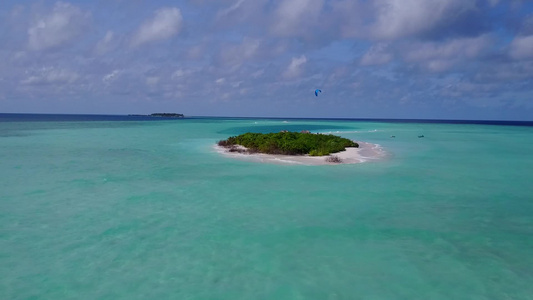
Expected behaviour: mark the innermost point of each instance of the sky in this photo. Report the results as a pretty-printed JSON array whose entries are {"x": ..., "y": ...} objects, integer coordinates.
[{"x": 415, "y": 59}]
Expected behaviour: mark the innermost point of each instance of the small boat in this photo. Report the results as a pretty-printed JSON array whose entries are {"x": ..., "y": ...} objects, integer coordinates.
[{"x": 420, "y": 136}]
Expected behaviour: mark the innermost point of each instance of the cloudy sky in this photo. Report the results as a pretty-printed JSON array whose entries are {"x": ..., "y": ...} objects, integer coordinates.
[{"x": 446, "y": 59}]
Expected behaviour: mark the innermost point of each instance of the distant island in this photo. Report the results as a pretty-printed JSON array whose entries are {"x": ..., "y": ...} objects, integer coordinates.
[
  {"x": 164, "y": 115},
  {"x": 287, "y": 143},
  {"x": 167, "y": 115}
]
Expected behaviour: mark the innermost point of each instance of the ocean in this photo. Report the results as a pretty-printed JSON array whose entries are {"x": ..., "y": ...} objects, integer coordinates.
[{"x": 131, "y": 207}]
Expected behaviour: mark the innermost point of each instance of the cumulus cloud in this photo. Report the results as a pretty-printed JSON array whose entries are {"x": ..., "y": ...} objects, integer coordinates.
[
  {"x": 352, "y": 17},
  {"x": 180, "y": 73},
  {"x": 166, "y": 23},
  {"x": 106, "y": 44},
  {"x": 111, "y": 76},
  {"x": 258, "y": 73},
  {"x": 464, "y": 47},
  {"x": 297, "y": 17},
  {"x": 440, "y": 56},
  {"x": 251, "y": 12},
  {"x": 400, "y": 18},
  {"x": 196, "y": 52},
  {"x": 522, "y": 47},
  {"x": 506, "y": 72},
  {"x": 51, "y": 75},
  {"x": 385, "y": 20},
  {"x": 236, "y": 54},
  {"x": 527, "y": 26},
  {"x": 64, "y": 23},
  {"x": 377, "y": 55},
  {"x": 295, "y": 68},
  {"x": 152, "y": 81},
  {"x": 229, "y": 10}
]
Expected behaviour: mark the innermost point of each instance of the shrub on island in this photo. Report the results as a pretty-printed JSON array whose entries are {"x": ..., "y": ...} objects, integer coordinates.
[{"x": 288, "y": 143}]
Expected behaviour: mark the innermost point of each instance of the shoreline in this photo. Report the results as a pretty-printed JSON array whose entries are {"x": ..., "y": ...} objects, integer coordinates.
[{"x": 365, "y": 152}]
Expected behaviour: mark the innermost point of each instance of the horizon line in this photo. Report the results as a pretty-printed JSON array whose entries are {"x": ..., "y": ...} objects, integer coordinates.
[{"x": 285, "y": 117}]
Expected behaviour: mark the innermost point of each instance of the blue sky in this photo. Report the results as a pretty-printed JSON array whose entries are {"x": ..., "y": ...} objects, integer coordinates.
[{"x": 445, "y": 59}]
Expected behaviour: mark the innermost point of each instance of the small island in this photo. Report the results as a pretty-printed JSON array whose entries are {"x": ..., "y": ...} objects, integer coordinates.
[
  {"x": 161, "y": 115},
  {"x": 288, "y": 143},
  {"x": 167, "y": 115}
]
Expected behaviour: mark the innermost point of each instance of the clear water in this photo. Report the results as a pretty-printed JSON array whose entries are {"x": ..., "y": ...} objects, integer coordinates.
[{"x": 119, "y": 209}]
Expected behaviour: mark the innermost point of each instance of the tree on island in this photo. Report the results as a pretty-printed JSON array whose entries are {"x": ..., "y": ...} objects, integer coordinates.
[
  {"x": 288, "y": 143},
  {"x": 167, "y": 115}
]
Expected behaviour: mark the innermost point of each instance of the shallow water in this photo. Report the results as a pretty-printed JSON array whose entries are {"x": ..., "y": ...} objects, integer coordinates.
[{"x": 120, "y": 209}]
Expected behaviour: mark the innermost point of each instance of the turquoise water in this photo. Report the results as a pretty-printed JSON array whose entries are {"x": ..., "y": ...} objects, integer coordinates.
[{"x": 148, "y": 210}]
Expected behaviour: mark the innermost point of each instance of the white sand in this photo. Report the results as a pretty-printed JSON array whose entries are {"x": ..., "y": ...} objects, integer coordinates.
[{"x": 365, "y": 152}]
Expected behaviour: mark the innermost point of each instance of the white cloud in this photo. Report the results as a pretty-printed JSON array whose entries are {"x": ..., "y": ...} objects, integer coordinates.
[
  {"x": 506, "y": 71},
  {"x": 440, "y": 65},
  {"x": 152, "y": 81},
  {"x": 249, "y": 12},
  {"x": 441, "y": 56},
  {"x": 462, "y": 47},
  {"x": 522, "y": 47},
  {"x": 106, "y": 44},
  {"x": 166, "y": 23},
  {"x": 180, "y": 73},
  {"x": 51, "y": 75},
  {"x": 294, "y": 17},
  {"x": 399, "y": 18},
  {"x": 196, "y": 52},
  {"x": 63, "y": 24},
  {"x": 258, "y": 73},
  {"x": 223, "y": 13},
  {"x": 351, "y": 16},
  {"x": 236, "y": 54},
  {"x": 111, "y": 76},
  {"x": 295, "y": 68},
  {"x": 527, "y": 26},
  {"x": 377, "y": 55}
]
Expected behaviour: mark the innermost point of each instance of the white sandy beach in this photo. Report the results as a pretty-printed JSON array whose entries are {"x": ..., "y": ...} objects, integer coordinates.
[{"x": 365, "y": 152}]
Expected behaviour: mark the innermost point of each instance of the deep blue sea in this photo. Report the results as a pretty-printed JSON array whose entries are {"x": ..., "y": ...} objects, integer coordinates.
[{"x": 132, "y": 207}]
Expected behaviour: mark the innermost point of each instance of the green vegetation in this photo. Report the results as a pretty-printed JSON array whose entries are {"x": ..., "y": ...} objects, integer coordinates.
[
  {"x": 288, "y": 143},
  {"x": 167, "y": 115}
]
